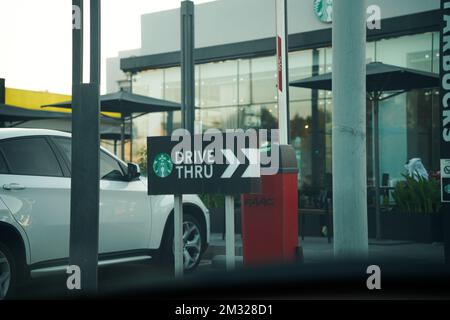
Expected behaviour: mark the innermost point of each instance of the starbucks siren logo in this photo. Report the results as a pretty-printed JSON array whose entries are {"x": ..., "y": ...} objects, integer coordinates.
[
  {"x": 324, "y": 10},
  {"x": 162, "y": 165},
  {"x": 447, "y": 189}
]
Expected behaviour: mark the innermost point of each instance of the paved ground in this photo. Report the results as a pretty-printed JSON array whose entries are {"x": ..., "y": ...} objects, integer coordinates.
[
  {"x": 318, "y": 249},
  {"x": 126, "y": 277}
]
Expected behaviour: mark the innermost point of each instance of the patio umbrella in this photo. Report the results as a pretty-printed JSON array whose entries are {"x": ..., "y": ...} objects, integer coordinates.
[
  {"x": 10, "y": 113},
  {"x": 127, "y": 104},
  {"x": 114, "y": 134},
  {"x": 381, "y": 78}
]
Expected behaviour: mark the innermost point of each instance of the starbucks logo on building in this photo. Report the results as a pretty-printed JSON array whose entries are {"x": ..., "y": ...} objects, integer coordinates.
[
  {"x": 324, "y": 10},
  {"x": 162, "y": 165}
]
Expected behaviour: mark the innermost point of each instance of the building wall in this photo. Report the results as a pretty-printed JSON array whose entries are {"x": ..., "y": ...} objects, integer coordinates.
[
  {"x": 241, "y": 93},
  {"x": 113, "y": 72},
  {"x": 34, "y": 99},
  {"x": 231, "y": 21}
]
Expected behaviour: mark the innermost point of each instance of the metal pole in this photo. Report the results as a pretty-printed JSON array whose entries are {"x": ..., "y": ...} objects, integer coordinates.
[
  {"x": 169, "y": 125},
  {"x": 2, "y": 91},
  {"x": 178, "y": 236},
  {"x": 122, "y": 136},
  {"x": 2, "y": 97},
  {"x": 77, "y": 47},
  {"x": 317, "y": 164},
  {"x": 131, "y": 138},
  {"x": 85, "y": 184},
  {"x": 95, "y": 43},
  {"x": 230, "y": 250},
  {"x": 349, "y": 129},
  {"x": 187, "y": 102},
  {"x": 131, "y": 121},
  {"x": 187, "y": 65},
  {"x": 376, "y": 143},
  {"x": 283, "y": 70}
]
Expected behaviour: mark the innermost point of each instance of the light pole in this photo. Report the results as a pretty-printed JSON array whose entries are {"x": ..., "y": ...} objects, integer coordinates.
[{"x": 85, "y": 182}]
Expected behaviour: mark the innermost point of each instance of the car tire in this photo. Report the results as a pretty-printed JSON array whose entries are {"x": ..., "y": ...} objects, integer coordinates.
[
  {"x": 193, "y": 240},
  {"x": 8, "y": 273}
]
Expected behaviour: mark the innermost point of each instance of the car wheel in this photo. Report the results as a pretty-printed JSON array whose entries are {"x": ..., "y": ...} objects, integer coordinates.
[
  {"x": 7, "y": 273},
  {"x": 192, "y": 243}
]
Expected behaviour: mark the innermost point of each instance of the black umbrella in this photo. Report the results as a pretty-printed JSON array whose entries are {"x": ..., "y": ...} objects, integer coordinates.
[
  {"x": 10, "y": 113},
  {"x": 126, "y": 104},
  {"x": 381, "y": 78},
  {"x": 114, "y": 134}
]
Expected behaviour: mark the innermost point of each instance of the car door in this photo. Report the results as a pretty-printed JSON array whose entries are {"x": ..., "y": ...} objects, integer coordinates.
[
  {"x": 37, "y": 193},
  {"x": 124, "y": 205}
]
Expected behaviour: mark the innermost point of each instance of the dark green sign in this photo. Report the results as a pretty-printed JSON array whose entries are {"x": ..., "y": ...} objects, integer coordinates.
[{"x": 202, "y": 168}]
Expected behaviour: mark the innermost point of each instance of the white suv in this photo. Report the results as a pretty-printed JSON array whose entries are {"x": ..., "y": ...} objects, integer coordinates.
[{"x": 35, "y": 211}]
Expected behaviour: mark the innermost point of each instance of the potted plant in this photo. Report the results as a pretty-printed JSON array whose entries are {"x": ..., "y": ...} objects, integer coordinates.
[{"x": 415, "y": 215}]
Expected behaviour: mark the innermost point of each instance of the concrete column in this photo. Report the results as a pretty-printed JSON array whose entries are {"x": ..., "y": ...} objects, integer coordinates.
[{"x": 349, "y": 129}]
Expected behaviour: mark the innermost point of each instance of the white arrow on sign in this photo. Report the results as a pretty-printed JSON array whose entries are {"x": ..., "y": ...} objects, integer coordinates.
[
  {"x": 254, "y": 169},
  {"x": 233, "y": 161}
]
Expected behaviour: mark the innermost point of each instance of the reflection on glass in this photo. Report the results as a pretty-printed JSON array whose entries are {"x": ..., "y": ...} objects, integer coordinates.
[
  {"x": 242, "y": 93},
  {"x": 410, "y": 51},
  {"x": 219, "y": 84},
  {"x": 219, "y": 118},
  {"x": 264, "y": 80},
  {"x": 258, "y": 117}
]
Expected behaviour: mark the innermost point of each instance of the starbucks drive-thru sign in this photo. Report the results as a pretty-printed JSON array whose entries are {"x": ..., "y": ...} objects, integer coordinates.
[{"x": 227, "y": 163}]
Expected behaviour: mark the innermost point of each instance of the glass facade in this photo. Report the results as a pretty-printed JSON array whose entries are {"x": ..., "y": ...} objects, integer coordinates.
[{"x": 242, "y": 93}]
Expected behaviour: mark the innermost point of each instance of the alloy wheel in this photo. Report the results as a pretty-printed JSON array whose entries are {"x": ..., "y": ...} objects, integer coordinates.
[
  {"x": 5, "y": 275},
  {"x": 192, "y": 244}
]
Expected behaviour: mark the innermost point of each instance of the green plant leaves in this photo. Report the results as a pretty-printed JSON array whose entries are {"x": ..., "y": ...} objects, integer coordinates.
[{"x": 417, "y": 196}]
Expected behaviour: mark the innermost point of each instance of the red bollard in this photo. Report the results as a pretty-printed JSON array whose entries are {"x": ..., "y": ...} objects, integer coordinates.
[{"x": 270, "y": 219}]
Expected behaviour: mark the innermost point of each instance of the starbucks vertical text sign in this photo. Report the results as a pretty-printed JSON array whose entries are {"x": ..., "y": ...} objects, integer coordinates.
[{"x": 445, "y": 99}]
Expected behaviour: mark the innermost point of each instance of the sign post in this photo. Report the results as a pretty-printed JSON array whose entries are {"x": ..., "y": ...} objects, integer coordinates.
[
  {"x": 230, "y": 240},
  {"x": 178, "y": 235},
  {"x": 188, "y": 114},
  {"x": 445, "y": 123},
  {"x": 200, "y": 164}
]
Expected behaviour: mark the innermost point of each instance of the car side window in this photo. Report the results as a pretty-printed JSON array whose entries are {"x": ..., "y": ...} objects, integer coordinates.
[
  {"x": 30, "y": 156},
  {"x": 3, "y": 167},
  {"x": 110, "y": 168},
  {"x": 65, "y": 145}
]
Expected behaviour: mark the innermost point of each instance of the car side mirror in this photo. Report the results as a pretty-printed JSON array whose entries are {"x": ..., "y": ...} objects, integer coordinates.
[{"x": 134, "y": 171}]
